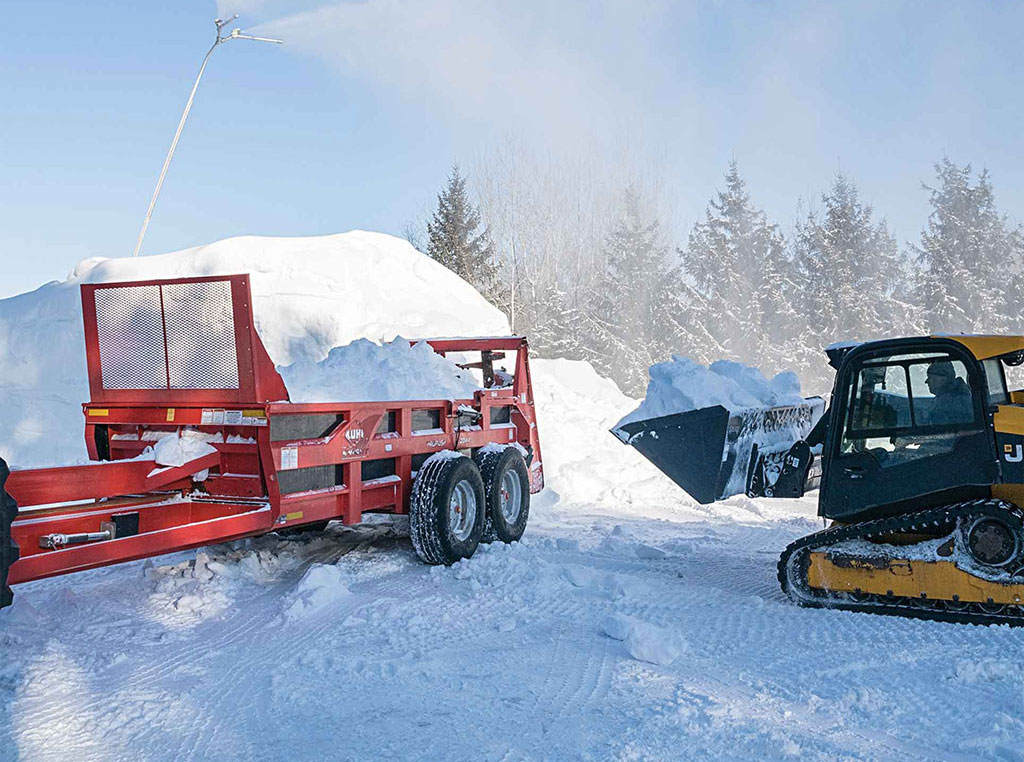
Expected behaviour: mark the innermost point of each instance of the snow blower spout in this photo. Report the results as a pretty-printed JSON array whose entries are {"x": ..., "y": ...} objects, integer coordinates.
[
  {"x": 8, "y": 549},
  {"x": 714, "y": 452}
]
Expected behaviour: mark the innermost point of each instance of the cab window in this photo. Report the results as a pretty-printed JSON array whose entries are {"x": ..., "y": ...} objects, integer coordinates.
[
  {"x": 908, "y": 406},
  {"x": 995, "y": 379}
]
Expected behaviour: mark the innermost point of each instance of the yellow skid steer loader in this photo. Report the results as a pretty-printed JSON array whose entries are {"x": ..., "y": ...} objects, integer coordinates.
[{"x": 920, "y": 463}]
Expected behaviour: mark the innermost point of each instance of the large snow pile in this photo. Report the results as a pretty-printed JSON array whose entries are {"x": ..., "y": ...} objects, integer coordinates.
[
  {"x": 583, "y": 463},
  {"x": 309, "y": 295},
  {"x": 365, "y": 371},
  {"x": 681, "y": 384}
]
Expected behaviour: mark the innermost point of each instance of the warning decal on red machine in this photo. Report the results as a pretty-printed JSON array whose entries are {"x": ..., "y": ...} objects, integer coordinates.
[
  {"x": 289, "y": 458},
  {"x": 217, "y": 417}
]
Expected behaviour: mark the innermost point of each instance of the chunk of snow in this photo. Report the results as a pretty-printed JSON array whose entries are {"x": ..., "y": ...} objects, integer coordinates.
[
  {"x": 174, "y": 450},
  {"x": 645, "y": 641},
  {"x": 616, "y": 626},
  {"x": 648, "y": 552},
  {"x": 321, "y": 585},
  {"x": 309, "y": 295},
  {"x": 680, "y": 385},
  {"x": 364, "y": 371}
]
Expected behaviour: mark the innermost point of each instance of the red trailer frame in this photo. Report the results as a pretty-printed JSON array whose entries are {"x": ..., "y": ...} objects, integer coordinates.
[{"x": 169, "y": 355}]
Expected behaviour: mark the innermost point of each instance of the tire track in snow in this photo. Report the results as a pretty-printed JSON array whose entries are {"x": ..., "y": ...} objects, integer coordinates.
[{"x": 167, "y": 661}]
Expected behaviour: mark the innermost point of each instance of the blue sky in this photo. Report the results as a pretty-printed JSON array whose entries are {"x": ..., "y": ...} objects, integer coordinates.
[{"x": 356, "y": 120}]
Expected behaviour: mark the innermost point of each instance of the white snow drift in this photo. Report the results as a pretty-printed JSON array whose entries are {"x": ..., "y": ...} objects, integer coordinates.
[{"x": 309, "y": 295}]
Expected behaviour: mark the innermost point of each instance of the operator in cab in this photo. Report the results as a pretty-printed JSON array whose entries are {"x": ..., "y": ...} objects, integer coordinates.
[{"x": 952, "y": 402}]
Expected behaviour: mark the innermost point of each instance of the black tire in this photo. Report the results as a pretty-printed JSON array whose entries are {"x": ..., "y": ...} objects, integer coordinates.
[
  {"x": 495, "y": 464},
  {"x": 430, "y": 517},
  {"x": 8, "y": 549}
]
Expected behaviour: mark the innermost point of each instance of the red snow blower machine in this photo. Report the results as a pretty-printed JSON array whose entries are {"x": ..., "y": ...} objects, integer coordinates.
[{"x": 182, "y": 358}]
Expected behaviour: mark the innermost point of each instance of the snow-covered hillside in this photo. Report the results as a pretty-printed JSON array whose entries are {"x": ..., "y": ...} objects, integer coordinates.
[{"x": 309, "y": 295}]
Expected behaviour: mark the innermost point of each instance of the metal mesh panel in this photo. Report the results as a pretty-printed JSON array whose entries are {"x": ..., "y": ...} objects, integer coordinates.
[
  {"x": 131, "y": 338},
  {"x": 175, "y": 336},
  {"x": 201, "y": 351}
]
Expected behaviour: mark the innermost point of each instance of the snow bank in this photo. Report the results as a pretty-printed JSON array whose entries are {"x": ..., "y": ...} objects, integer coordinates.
[
  {"x": 681, "y": 384},
  {"x": 309, "y": 295},
  {"x": 367, "y": 372},
  {"x": 583, "y": 463}
]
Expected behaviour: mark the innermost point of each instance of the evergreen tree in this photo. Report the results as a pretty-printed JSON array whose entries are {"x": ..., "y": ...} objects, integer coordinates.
[
  {"x": 851, "y": 268},
  {"x": 969, "y": 257},
  {"x": 635, "y": 322},
  {"x": 457, "y": 239},
  {"x": 852, "y": 279},
  {"x": 777, "y": 342},
  {"x": 741, "y": 278},
  {"x": 553, "y": 325}
]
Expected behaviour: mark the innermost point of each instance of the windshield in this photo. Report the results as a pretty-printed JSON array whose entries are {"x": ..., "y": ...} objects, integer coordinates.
[{"x": 907, "y": 406}]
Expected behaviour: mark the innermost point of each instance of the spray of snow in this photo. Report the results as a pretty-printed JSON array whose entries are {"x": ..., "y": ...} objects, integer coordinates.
[
  {"x": 466, "y": 61},
  {"x": 369, "y": 372}
]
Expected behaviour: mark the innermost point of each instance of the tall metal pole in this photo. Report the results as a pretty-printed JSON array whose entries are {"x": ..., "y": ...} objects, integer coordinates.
[{"x": 235, "y": 34}]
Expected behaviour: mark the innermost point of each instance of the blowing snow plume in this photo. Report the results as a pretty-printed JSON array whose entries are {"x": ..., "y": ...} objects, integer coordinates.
[{"x": 564, "y": 71}]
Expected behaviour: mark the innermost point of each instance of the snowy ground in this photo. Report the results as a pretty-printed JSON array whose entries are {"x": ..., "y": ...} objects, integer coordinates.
[{"x": 629, "y": 625}]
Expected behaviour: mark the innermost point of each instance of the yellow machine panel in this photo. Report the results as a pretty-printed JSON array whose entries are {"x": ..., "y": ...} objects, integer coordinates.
[
  {"x": 940, "y": 580},
  {"x": 984, "y": 347},
  {"x": 1009, "y": 419}
]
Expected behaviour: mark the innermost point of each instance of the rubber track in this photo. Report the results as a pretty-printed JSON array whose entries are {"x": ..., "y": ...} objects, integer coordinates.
[
  {"x": 8, "y": 548},
  {"x": 918, "y": 608},
  {"x": 423, "y": 510}
]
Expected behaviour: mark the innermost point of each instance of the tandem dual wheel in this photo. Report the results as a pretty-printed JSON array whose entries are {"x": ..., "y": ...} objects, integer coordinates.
[{"x": 459, "y": 502}]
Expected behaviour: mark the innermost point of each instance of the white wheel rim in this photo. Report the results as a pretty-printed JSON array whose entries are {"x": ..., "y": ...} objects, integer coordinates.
[
  {"x": 511, "y": 496},
  {"x": 462, "y": 511}
]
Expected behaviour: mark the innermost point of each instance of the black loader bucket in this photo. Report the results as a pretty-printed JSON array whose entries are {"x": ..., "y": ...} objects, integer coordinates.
[
  {"x": 8, "y": 550},
  {"x": 713, "y": 452}
]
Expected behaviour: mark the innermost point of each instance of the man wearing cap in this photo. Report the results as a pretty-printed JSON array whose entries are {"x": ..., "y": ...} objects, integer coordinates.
[{"x": 952, "y": 402}]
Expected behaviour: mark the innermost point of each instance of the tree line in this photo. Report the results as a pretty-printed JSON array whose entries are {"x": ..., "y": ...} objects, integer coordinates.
[{"x": 594, "y": 276}]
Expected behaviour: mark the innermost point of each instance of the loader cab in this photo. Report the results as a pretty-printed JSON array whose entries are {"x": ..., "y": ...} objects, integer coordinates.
[{"x": 910, "y": 427}]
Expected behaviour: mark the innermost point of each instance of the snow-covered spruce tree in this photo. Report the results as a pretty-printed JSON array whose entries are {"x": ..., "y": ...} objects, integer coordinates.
[
  {"x": 553, "y": 325},
  {"x": 853, "y": 283},
  {"x": 741, "y": 274},
  {"x": 634, "y": 321},
  {"x": 457, "y": 238},
  {"x": 969, "y": 257}
]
